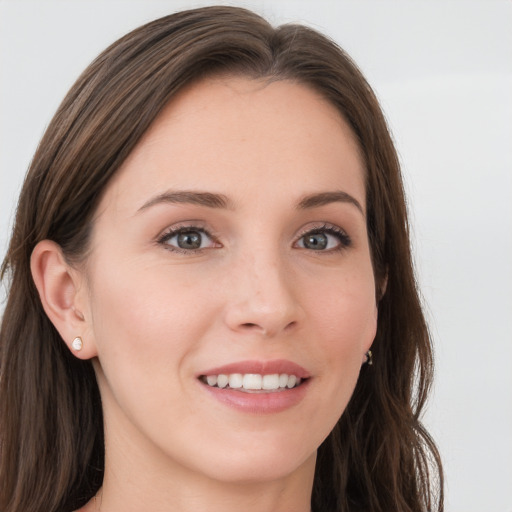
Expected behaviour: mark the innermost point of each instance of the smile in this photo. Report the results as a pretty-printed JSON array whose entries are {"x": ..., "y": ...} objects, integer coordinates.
[
  {"x": 256, "y": 386},
  {"x": 252, "y": 382}
]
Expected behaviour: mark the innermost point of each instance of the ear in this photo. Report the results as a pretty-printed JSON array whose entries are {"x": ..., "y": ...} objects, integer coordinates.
[
  {"x": 63, "y": 296},
  {"x": 372, "y": 332},
  {"x": 382, "y": 286},
  {"x": 373, "y": 321}
]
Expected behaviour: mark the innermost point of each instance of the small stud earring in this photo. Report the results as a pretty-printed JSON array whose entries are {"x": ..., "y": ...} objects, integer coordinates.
[
  {"x": 369, "y": 358},
  {"x": 77, "y": 343}
]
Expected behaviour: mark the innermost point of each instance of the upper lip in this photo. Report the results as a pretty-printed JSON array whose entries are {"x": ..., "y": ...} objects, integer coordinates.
[{"x": 278, "y": 366}]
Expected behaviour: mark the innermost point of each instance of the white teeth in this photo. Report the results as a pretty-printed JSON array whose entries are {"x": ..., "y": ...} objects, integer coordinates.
[
  {"x": 283, "y": 380},
  {"x": 222, "y": 381},
  {"x": 211, "y": 380},
  {"x": 235, "y": 380},
  {"x": 253, "y": 381},
  {"x": 270, "y": 382},
  {"x": 291, "y": 381}
]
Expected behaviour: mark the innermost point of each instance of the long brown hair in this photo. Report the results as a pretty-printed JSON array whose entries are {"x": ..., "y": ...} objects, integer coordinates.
[{"x": 379, "y": 457}]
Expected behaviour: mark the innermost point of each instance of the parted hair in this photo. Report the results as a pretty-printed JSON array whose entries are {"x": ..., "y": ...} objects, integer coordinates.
[{"x": 379, "y": 457}]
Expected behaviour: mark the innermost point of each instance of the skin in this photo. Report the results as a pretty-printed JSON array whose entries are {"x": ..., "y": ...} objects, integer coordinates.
[{"x": 153, "y": 317}]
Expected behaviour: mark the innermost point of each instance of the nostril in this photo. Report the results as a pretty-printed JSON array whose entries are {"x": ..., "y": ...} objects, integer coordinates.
[
  {"x": 251, "y": 326},
  {"x": 291, "y": 325}
]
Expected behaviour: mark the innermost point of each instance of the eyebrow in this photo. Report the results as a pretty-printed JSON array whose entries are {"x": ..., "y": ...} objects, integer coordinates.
[
  {"x": 324, "y": 198},
  {"x": 207, "y": 199},
  {"x": 212, "y": 200}
]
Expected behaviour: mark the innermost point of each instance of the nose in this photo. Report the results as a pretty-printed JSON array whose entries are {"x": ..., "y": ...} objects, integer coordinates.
[{"x": 261, "y": 297}]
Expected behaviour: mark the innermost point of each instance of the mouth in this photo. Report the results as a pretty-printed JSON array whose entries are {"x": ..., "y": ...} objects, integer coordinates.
[
  {"x": 253, "y": 382},
  {"x": 257, "y": 387}
]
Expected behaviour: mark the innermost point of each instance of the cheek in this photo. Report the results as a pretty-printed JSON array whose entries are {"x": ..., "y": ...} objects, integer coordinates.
[
  {"x": 346, "y": 311},
  {"x": 148, "y": 324},
  {"x": 141, "y": 294},
  {"x": 345, "y": 320},
  {"x": 144, "y": 316}
]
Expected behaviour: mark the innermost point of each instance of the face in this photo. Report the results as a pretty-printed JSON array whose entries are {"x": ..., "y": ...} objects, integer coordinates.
[{"x": 230, "y": 291}]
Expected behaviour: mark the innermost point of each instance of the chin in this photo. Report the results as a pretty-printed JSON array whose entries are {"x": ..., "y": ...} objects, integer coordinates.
[
  {"x": 264, "y": 458},
  {"x": 278, "y": 466}
]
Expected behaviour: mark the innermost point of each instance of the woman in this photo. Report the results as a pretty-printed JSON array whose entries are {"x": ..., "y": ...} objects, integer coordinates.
[{"x": 212, "y": 303}]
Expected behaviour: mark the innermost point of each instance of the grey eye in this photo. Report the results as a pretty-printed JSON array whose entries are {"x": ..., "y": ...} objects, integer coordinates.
[
  {"x": 188, "y": 240},
  {"x": 315, "y": 241},
  {"x": 324, "y": 239}
]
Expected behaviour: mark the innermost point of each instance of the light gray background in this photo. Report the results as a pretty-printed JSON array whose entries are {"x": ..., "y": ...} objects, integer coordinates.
[{"x": 443, "y": 72}]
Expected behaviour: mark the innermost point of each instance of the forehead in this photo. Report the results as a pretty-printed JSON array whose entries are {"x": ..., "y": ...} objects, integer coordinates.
[{"x": 244, "y": 135}]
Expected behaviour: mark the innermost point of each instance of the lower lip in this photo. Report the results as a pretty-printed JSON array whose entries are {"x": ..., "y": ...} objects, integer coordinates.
[{"x": 259, "y": 403}]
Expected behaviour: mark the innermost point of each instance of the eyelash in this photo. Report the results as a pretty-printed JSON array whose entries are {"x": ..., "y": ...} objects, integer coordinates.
[
  {"x": 329, "y": 229},
  {"x": 174, "y": 231}
]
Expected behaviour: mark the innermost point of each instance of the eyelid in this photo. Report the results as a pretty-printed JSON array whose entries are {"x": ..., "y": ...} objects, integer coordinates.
[
  {"x": 345, "y": 240},
  {"x": 175, "y": 230}
]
